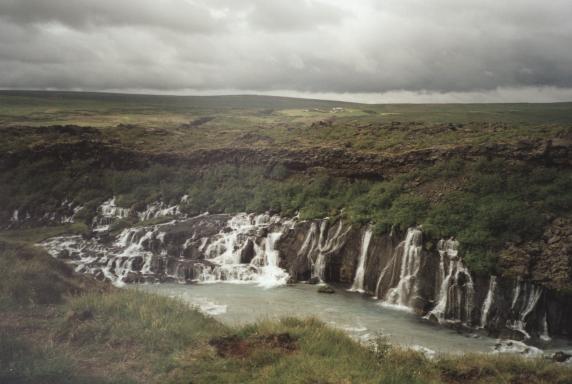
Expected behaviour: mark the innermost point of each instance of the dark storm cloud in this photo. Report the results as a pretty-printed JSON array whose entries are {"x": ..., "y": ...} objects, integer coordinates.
[
  {"x": 80, "y": 14},
  {"x": 314, "y": 46}
]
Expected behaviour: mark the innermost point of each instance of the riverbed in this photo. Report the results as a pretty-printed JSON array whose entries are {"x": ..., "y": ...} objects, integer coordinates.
[{"x": 360, "y": 316}]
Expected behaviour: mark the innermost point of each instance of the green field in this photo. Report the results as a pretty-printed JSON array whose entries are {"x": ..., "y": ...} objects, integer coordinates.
[{"x": 182, "y": 124}]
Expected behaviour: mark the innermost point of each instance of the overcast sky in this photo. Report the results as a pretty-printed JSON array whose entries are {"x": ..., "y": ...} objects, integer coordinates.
[{"x": 362, "y": 50}]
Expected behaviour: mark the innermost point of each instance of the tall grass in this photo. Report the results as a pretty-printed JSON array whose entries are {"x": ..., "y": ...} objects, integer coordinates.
[
  {"x": 146, "y": 321},
  {"x": 22, "y": 363},
  {"x": 29, "y": 276}
]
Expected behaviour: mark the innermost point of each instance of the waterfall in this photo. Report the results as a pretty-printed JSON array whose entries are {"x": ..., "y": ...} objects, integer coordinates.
[
  {"x": 271, "y": 274},
  {"x": 244, "y": 248},
  {"x": 489, "y": 300},
  {"x": 525, "y": 299},
  {"x": 406, "y": 289},
  {"x": 108, "y": 212},
  {"x": 159, "y": 209},
  {"x": 141, "y": 253},
  {"x": 544, "y": 334},
  {"x": 456, "y": 292},
  {"x": 320, "y": 265},
  {"x": 109, "y": 209},
  {"x": 226, "y": 249},
  {"x": 358, "y": 284},
  {"x": 318, "y": 245}
]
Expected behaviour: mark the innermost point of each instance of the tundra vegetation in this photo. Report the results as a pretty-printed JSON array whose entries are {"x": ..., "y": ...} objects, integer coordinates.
[
  {"x": 94, "y": 334},
  {"x": 485, "y": 201}
]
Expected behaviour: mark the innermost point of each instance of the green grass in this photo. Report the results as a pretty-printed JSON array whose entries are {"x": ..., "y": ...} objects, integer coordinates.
[
  {"x": 164, "y": 123},
  {"x": 31, "y": 277},
  {"x": 153, "y": 323},
  {"x": 22, "y": 363},
  {"x": 38, "y": 234}
]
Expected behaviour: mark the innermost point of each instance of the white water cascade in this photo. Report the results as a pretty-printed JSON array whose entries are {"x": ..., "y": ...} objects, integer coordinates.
[
  {"x": 489, "y": 301},
  {"x": 226, "y": 249},
  {"x": 142, "y": 254},
  {"x": 159, "y": 209},
  {"x": 108, "y": 212},
  {"x": 318, "y": 245},
  {"x": 406, "y": 289},
  {"x": 456, "y": 292},
  {"x": 358, "y": 284},
  {"x": 525, "y": 299}
]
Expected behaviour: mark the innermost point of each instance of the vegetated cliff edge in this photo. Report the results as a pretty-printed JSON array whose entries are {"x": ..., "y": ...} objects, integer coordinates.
[
  {"x": 69, "y": 180},
  {"x": 337, "y": 161},
  {"x": 405, "y": 269}
]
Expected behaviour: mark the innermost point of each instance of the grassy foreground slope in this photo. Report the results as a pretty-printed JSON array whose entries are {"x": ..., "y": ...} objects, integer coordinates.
[{"x": 81, "y": 331}]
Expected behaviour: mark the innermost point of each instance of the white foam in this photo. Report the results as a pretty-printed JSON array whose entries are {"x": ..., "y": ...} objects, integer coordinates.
[
  {"x": 516, "y": 347},
  {"x": 428, "y": 353}
]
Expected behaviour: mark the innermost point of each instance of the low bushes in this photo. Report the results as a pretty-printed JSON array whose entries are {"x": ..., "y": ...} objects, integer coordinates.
[{"x": 485, "y": 204}]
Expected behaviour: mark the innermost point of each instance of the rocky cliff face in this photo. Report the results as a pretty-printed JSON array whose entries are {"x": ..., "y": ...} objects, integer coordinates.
[
  {"x": 394, "y": 267},
  {"x": 547, "y": 261},
  {"x": 87, "y": 144}
]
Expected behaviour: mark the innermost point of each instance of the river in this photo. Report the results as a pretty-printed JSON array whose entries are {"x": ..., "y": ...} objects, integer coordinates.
[{"x": 358, "y": 315}]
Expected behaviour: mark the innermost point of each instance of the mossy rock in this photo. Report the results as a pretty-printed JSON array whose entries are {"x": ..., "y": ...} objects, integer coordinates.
[{"x": 326, "y": 289}]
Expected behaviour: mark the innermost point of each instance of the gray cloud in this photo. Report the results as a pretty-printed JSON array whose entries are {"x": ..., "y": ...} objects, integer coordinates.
[
  {"x": 407, "y": 46},
  {"x": 83, "y": 14}
]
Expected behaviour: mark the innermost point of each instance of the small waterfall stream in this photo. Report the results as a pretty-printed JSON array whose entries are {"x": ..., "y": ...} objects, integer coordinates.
[
  {"x": 456, "y": 292},
  {"x": 108, "y": 213},
  {"x": 525, "y": 299},
  {"x": 318, "y": 245},
  {"x": 489, "y": 301},
  {"x": 358, "y": 283},
  {"x": 406, "y": 289}
]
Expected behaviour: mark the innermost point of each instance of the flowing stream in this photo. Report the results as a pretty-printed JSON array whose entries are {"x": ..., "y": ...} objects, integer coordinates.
[
  {"x": 232, "y": 258},
  {"x": 358, "y": 315}
]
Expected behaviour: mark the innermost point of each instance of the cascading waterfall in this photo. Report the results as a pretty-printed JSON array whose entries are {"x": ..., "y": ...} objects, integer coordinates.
[
  {"x": 108, "y": 213},
  {"x": 358, "y": 284},
  {"x": 456, "y": 292},
  {"x": 389, "y": 272},
  {"x": 244, "y": 248},
  {"x": 320, "y": 265},
  {"x": 226, "y": 250},
  {"x": 140, "y": 253},
  {"x": 525, "y": 299},
  {"x": 133, "y": 244},
  {"x": 270, "y": 273},
  {"x": 318, "y": 244},
  {"x": 489, "y": 301},
  {"x": 406, "y": 289},
  {"x": 158, "y": 209}
]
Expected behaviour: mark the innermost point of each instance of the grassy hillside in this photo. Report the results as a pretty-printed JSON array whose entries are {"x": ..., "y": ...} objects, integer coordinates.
[
  {"x": 103, "y": 335},
  {"x": 481, "y": 172}
]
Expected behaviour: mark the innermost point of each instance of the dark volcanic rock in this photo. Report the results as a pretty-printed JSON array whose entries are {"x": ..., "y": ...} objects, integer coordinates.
[
  {"x": 247, "y": 253},
  {"x": 326, "y": 289},
  {"x": 314, "y": 280},
  {"x": 561, "y": 357}
]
